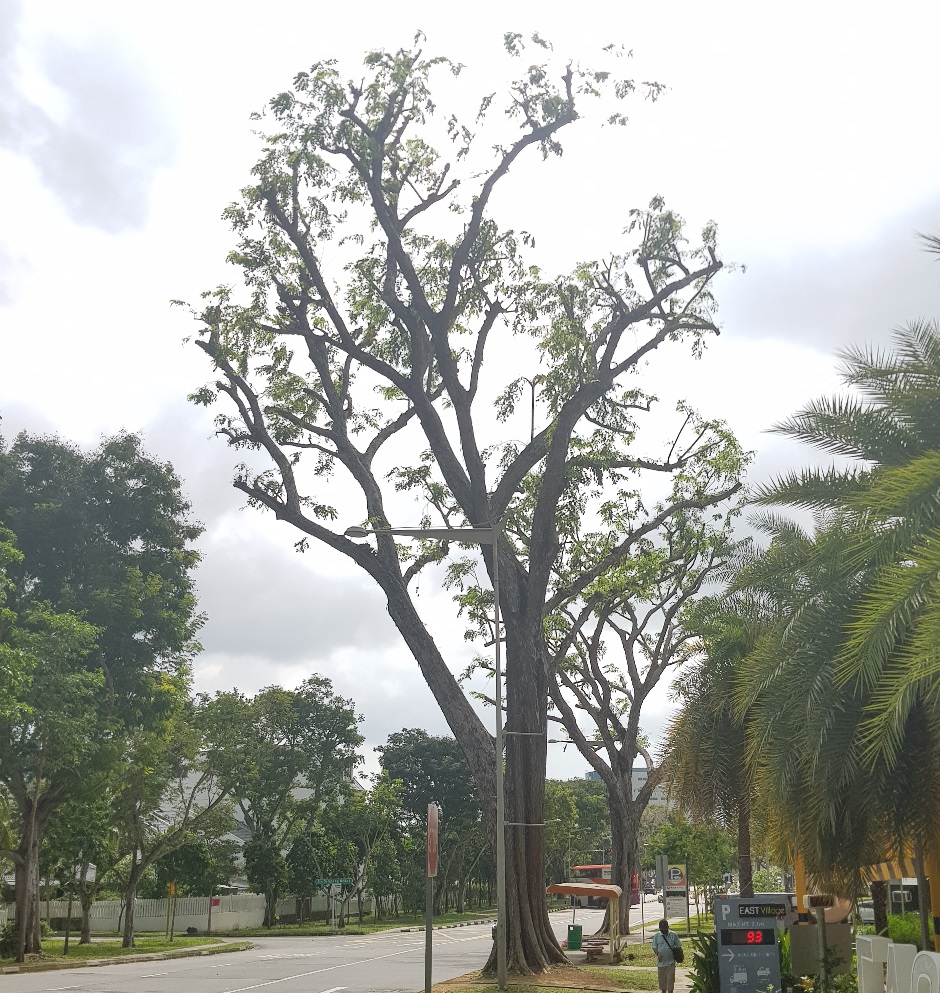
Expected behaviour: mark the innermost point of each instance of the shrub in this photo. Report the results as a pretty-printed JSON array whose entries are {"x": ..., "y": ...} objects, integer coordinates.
[{"x": 704, "y": 971}]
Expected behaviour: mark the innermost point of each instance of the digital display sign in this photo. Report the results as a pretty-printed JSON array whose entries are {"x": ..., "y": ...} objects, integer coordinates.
[{"x": 749, "y": 936}]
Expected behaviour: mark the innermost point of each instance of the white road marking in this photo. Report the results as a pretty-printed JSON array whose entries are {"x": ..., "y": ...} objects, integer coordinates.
[
  {"x": 335, "y": 989},
  {"x": 153, "y": 975},
  {"x": 329, "y": 968},
  {"x": 55, "y": 989}
]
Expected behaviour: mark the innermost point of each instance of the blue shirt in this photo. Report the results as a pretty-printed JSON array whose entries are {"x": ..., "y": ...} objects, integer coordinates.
[{"x": 661, "y": 945}]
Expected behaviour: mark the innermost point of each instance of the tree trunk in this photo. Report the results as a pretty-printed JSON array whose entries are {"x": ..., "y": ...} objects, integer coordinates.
[
  {"x": 270, "y": 907},
  {"x": 531, "y": 944},
  {"x": 624, "y": 828},
  {"x": 26, "y": 861},
  {"x": 879, "y": 899},
  {"x": 130, "y": 896},
  {"x": 86, "y": 896},
  {"x": 923, "y": 901},
  {"x": 745, "y": 868}
]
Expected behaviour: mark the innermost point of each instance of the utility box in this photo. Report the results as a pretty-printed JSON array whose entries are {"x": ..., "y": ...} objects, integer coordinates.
[
  {"x": 804, "y": 949},
  {"x": 574, "y": 937}
]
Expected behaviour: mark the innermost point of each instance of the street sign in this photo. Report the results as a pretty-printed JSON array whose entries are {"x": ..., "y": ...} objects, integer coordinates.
[
  {"x": 661, "y": 865},
  {"x": 746, "y": 927},
  {"x": 676, "y": 891},
  {"x": 332, "y": 882},
  {"x": 432, "y": 839}
]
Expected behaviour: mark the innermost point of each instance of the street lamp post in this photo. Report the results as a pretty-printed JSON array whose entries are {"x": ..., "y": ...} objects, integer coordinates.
[{"x": 478, "y": 536}]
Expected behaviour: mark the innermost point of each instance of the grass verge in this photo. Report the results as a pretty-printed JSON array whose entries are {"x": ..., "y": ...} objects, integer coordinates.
[
  {"x": 594, "y": 978},
  {"x": 53, "y": 950}
]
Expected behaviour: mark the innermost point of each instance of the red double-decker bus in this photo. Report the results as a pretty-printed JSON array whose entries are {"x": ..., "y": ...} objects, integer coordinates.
[{"x": 597, "y": 874}]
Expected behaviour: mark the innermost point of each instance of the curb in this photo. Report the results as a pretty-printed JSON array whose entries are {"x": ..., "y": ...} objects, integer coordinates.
[
  {"x": 183, "y": 953},
  {"x": 442, "y": 927}
]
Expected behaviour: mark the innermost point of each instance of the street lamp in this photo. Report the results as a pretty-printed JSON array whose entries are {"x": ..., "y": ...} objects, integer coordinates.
[{"x": 477, "y": 536}]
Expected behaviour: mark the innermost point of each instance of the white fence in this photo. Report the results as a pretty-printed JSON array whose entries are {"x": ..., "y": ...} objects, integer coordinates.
[{"x": 229, "y": 913}]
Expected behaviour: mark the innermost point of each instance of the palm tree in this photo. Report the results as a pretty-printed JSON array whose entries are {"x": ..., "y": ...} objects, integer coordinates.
[
  {"x": 707, "y": 768},
  {"x": 853, "y": 672}
]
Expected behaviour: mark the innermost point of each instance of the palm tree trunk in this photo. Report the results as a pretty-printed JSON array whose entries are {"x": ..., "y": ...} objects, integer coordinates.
[{"x": 745, "y": 867}]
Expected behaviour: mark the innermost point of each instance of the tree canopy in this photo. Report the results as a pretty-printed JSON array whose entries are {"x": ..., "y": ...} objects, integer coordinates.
[{"x": 376, "y": 352}]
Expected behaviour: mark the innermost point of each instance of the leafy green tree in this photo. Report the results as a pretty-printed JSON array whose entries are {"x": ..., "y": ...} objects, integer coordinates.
[
  {"x": 433, "y": 769},
  {"x": 707, "y": 849},
  {"x": 83, "y": 839},
  {"x": 348, "y": 370},
  {"x": 365, "y": 819},
  {"x": 613, "y": 645},
  {"x": 561, "y": 823},
  {"x": 54, "y": 738},
  {"x": 296, "y": 751},
  {"x": 197, "y": 867},
  {"x": 170, "y": 789},
  {"x": 267, "y": 871},
  {"x": 103, "y": 623}
]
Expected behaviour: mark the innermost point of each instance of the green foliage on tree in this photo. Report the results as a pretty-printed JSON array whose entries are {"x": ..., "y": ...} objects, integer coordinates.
[
  {"x": 844, "y": 706},
  {"x": 170, "y": 788},
  {"x": 267, "y": 872},
  {"x": 707, "y": 849},
  {"x": 197, "y": 867},
  {"x": 294, "y": 751},
  {"x": 708, "y": 767},
  {"x": 98, "y": 624},
  {"x": 376, "y": 286},
  {"x": 433, "y": 769}
]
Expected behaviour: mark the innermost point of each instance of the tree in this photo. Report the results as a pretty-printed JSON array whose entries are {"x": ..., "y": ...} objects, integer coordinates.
[
  {"x": 267, "y": 872},
  {"x": 708, "y": 769},
  {"x": 852, "y": 600},
  {"x": 171, "y": 789},
  {"x": 432, "y": 769},
  {"x": 103, "y": 622},
  {"x": 197, "y": 867},
  {"x": 350, "y": 371},
  {"x": 641, "y": 603},
  {"x": 365, "y": 819},
  {"x": 707, "y": 849},
  {"x": 290, "y": 743},
  {"x": 84, "y": 839}
]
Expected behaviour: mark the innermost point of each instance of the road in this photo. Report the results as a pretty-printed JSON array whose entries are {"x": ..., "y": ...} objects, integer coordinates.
[{"x": 387, "y": 962}]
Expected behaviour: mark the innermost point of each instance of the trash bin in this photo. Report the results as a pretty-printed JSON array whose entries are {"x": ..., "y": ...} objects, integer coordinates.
[{"x": 574, "y": 937}]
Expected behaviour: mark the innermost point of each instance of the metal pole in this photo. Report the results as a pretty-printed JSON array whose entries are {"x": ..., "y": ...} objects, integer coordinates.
[
  {"x": 428, "y": 930},
  {"x": 500, "y": 795}
]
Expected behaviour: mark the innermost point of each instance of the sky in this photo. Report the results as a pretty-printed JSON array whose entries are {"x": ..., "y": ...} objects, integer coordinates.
[{"x": 805, "y": 130}]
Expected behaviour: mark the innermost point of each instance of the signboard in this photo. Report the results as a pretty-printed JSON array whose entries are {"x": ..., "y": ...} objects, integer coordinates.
[
  {"x": 432, "y": 839},
  {"x": 746, "y": 927},
  {"x": 676, "y": 891},
  {"x": 333, "y": 882}
]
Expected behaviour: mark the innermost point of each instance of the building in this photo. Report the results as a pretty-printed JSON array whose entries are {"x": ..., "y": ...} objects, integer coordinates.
[{"x": 640, "y": 773}]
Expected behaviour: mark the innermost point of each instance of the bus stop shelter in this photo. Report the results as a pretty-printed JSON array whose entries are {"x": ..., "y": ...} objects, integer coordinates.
[{"x": 602, "y": 891}]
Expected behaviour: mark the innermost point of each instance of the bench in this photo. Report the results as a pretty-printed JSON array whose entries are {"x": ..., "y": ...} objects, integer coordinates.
[{"x": 593, "y": 948}]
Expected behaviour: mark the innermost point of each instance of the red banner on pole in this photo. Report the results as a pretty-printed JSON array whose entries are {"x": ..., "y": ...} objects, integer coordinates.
[{"x": 432, "y": 839}]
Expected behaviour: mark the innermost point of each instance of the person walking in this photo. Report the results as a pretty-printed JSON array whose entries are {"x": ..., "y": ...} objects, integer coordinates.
[{"x": 665, "y": 943}]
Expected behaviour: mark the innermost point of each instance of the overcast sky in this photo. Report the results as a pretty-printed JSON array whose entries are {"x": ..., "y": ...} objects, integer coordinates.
[{"x": 806, "y": 130}]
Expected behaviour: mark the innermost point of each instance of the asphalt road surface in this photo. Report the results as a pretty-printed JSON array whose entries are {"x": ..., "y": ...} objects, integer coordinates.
[{"x": 387, "y": 962}]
